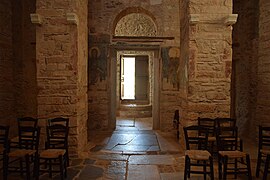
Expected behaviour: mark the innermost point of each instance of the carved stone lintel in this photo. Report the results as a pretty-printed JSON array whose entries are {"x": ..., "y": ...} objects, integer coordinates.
[
  {"x": 72, "y": 18},
  {"x": 36, "y": 19}
]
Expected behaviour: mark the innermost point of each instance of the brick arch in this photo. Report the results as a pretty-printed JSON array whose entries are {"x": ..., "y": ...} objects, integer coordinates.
[{"x": 131, "y": 10}]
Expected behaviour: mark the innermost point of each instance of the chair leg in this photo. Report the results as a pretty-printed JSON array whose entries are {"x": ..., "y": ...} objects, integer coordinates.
[
  {"x": 21, "y": 167},
  {"x": 225, "y": 164},
  {"x": 5, "y": 167},
  {"x": 258, "y": 164},
  {"x": 27, "y": 167},
  {"x": 266, "y": 167},
  {"x": 50, "y": 168},
  {"x": 37, "y": 167},
  {"x": 204, "y": 170},
  {"x": 235, "y": 168},
  {"x": 219, "y": 166},
  {"x": 186, "y": 167},
  {"x": 248, "y": 167},
  {"x": 211, "y": 168},
  {"x": 61, "y": 167},
  {"x": 67, "y": 156}
]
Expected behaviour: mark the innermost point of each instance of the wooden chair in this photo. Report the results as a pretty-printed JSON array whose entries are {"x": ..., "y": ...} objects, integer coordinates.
[
  {"x": 263, "y": 151},
  {"x": 55, "y": 152},
  {"x": 229, "y": 122},
  {"x": 209, "y": 124},
  {"x": 65, "y": 123},
  {"x": 23, "y": 122},
  {"x": 27, "y": 152},
  {"x": 4, "y": 143},
  {"x": 229, "y": 157},
  {"x": 196, "y": 154}
]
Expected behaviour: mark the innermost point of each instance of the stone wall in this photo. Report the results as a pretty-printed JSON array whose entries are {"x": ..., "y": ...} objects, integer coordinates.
[
  {"x": 263, "y": 87},
  {"x": 61, "y": 67},
  {"x": 7, "y": 99},
  {"x": 210, "y": 59},
  {"x": 103, "y": 18},
  {"x": 245, "y": 59}
]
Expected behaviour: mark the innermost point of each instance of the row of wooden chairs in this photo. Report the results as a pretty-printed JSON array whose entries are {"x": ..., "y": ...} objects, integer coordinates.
[
  {"x": 224, "y": 133},
  {"x": 22, "y": 154}
]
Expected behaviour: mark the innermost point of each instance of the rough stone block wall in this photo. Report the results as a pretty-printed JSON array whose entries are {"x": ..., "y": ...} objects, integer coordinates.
[
  {"x": 245, "y": 59},
  {"x": 210, "y": 59},
  {"x": 61, "y": 67},
  {"x": 101, "y": 22},
  {"x": 7, "y": 99},
  {"x": 263, "y": 88}
]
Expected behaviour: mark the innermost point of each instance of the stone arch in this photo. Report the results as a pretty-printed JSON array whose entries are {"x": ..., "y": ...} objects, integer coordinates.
[{"x": 135, "y": 21}]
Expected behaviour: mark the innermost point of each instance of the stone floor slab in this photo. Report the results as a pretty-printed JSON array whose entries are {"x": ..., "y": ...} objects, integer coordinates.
[
  {"x": 171, "y": 176},
  {"x": 151, "y": 159},
  {"x": 140, "y": 172}
]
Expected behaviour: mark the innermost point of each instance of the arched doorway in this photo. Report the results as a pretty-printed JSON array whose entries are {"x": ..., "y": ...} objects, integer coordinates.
[{"x": 144, "y": 99}]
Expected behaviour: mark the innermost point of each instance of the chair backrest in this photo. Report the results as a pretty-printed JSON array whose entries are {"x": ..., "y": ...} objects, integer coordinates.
[
  {"x": 4, "y": 131},
  {"x": 227, "y": 138},
  {"x": 57, "y": 136},
  {"x": 264, "y": 137},
  {"x": 226, "y": 122},
  {"x": 59, "y": 120},
  {"x": 29, "y": 137},
  {"x": 196, "y": 137},
  {"x": 208, "y": 123},
  {"x": 27, "y": 121}
]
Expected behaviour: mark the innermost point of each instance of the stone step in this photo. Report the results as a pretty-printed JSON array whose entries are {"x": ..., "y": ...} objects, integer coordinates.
[{"x": 136, "y": 111}]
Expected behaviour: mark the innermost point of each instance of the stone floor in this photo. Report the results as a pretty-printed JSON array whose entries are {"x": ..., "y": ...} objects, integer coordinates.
[{"x": 134, "y": 151}]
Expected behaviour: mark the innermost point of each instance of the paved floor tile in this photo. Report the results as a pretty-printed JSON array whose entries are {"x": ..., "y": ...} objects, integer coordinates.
[
  {"x": 151, "y": 159},
  {"x": 140, "y": 172}
]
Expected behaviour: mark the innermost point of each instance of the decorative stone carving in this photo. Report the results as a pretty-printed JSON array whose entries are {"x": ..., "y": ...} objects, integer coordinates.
[
  {"x": 231, "y": 19},
  {"x": 72, "y": 18},
  {"x": 136, "y": 24},
  {"x": 194, "y": 19},
  {"x": 36, "y": 19}
]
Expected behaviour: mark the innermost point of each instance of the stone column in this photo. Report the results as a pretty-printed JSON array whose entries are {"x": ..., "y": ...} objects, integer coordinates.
[
  {"x": 61, "y": 50},
  {"x": 263, "y": 74},
  {"x": 210, "y": 59}
]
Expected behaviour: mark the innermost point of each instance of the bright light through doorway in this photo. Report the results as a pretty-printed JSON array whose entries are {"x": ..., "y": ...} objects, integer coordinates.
[{"x": 128, "y": 78}]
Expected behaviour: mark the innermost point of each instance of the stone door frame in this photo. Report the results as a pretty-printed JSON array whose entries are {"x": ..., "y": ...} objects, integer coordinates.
[{"x": 114, "y": 53}]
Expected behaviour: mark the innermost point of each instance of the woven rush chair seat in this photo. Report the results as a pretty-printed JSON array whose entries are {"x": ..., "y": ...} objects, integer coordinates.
[
  {"x": 198, "y": 154},
  {"x": 52, "y": 153},
  {"x": 233, "y": 154},
  {"x": 21, "y": 153}
]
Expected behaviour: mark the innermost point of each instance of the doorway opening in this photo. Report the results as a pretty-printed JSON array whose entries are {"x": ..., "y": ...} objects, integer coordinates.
[
  {"x": 128, "y": 78},
  {"x": 134, "y": 89}
]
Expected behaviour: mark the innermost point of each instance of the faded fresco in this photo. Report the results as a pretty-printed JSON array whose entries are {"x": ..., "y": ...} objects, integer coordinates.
[
  {"x": 97, "y": 59},
  {"x": 170, "y": 67}
]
